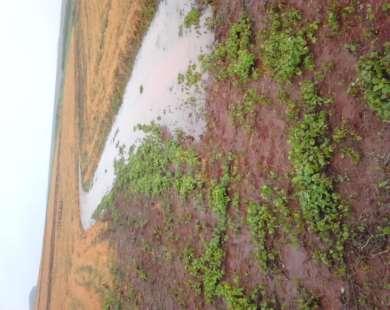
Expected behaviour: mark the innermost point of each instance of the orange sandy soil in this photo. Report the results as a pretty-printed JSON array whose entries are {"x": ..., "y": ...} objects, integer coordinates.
[
  {"x": 68, "y": 250},
  {"x": 75, "y": 264}
]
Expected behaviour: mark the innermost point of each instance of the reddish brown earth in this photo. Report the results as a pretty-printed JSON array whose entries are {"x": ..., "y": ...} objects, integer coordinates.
[{"x": 150, "y": 254}]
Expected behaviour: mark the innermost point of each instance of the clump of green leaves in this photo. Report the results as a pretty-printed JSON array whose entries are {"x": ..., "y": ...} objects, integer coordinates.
[
  {"x": 386, "y": 7},
  {"x": 187, "y": 184},
  {"x": 266, "y": 219},
  {"x": 307, "y": 301},
  {"x": 310, "y": 96},
  {"x": 191, "y": 77},
  {"x": 333, "y": 21},
  {"x": 287, "y": 220},
  {"x": 156, "y": 166},
  {"x": 233, "y": 58},
  {"x": 344, "y": 132},
  {"x": 370, "y": 15},
  {"x": 219, "y": 199},
  {"x": 286, "y": 43},
  {"x": 235, "y": 297},
  {"x": 374, "y": 78},
  {"x": 310, "y": 154},
  {"x": 192, "y": 18},
  {"x": 351, "y": 153},
  {"x": 244, "y": 113},
  {"x": 208, "y": 268},
  {"x": 262, "y": 224},
  {"x": 351, "y": 47}
]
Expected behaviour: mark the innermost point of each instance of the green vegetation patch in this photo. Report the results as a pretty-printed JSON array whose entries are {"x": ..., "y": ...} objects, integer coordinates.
[
  {"x": 235, "y": 298},
  {"x": 209, "y": 267},
  {"x": 285, "y": 45},
  {"x": 374, "y": 78},
  {"x": 192, "y": 18},
  {"x": 333, "y": 21},
  {"x": 268, "y": 219},
  {"x": 311, "y": 151},
  {"x": 156, "y": 166},
  {"x": 191, "y": 77},
  {"x": 233, "y": 57},
  {"x": 262, "y": 224}
]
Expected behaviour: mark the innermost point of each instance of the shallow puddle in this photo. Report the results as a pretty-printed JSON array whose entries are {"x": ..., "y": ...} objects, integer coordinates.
[{"x": 153, "y": 93}]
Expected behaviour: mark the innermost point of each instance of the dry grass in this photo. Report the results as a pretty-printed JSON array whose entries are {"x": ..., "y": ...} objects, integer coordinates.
[{"x": 108, "y": 34}]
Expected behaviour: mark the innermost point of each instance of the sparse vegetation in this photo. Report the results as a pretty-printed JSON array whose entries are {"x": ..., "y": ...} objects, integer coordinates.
[
  {"x": 191, "y": 77},
  {"x": 244, "y": 113},
  {"x": 267, "y": 220},
  {"x": 307, "y": 301},
  {"x": 351, "y": 153},
  {"x": 333, "y": 22}
]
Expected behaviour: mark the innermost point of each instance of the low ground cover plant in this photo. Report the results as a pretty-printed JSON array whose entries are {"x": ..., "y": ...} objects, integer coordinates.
[
  {"x": 374, "y": 79},
  {"x": 285, "y": 48}
]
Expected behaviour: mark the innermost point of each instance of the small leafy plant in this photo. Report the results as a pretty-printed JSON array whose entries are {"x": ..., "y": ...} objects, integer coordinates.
[
  {"x": 262, "y": 225},
  {"x": 286, "y": 44},
  {"x": 374, "y": 78},
  {"x": 333, "y": 22},
  {"x": 191, "y": 77},
  {"x": 192, "y": 18},
  {"x": 233, "y": 58}
]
